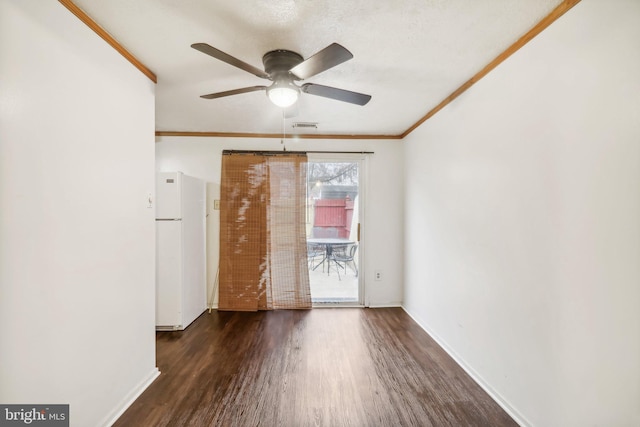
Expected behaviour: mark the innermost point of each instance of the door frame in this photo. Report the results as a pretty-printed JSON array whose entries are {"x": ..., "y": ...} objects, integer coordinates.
[{"x": 361, "y": 159}]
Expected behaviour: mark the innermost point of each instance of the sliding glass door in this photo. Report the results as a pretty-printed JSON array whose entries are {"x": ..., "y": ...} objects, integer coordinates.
[{"x": 334, "y": 209}]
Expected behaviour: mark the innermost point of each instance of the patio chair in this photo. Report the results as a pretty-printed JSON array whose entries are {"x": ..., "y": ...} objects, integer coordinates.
[
  {"x": 342, "y": 255},
  {"x": 316, "y": 251}
]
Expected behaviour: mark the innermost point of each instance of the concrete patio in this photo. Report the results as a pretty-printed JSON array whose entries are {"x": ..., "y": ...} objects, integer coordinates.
[{"x": 326, "y": 288}]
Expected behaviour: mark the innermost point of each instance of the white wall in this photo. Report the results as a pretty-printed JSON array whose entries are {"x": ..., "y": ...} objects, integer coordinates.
[
  {"x": 77, "y": 248},
  {"x": 523, "y": 223},
  {"x": 382, "y": 233}
]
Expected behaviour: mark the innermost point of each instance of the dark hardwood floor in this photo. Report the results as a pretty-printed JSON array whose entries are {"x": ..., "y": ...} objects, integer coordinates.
[{"x": 323, "y": 367}]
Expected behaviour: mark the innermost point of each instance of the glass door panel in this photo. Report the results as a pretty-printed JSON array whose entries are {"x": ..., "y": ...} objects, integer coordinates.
[{"x": 333, "y": 212}]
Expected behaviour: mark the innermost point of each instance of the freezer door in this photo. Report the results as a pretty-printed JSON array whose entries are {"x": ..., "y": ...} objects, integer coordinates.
[
  {"x": 168, "y": 195},
  {"x": 169, "y": 274}
]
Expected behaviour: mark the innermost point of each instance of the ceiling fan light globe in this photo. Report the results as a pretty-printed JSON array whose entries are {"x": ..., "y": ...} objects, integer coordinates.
[{"x": 283, "y": 96}]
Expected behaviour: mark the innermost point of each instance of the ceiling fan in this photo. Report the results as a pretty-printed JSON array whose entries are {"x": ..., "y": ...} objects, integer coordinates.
[{"x": 284, "y": 68}]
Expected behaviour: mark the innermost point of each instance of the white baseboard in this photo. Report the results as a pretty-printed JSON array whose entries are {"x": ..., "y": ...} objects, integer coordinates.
[
  {"x": 504, "y": 404},
  {"x": 131, "y": 397}
]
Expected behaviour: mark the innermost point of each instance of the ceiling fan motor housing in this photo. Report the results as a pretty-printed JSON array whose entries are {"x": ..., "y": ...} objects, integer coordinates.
[{"x": 277, "y": 63}]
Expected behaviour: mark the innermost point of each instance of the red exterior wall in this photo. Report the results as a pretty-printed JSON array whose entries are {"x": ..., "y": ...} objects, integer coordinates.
[{"x": 332, "y": 218}]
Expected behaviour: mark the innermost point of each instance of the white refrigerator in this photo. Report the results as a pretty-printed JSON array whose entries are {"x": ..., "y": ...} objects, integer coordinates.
[{"x": 181, "y": 284}]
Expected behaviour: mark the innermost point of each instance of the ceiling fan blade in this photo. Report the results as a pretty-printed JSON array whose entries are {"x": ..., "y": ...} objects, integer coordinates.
[
  {"x": 328, "y": 57},
  {"x": 225, "y": 57},
  {"x": 335, "y": 93},
  {"x": 233, "y": 92}
]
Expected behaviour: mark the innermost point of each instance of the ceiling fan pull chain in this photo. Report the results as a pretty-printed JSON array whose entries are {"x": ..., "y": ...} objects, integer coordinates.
[{"x": 284, "y": 147}]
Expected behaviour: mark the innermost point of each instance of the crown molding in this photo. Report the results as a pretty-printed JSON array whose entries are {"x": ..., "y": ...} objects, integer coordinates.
[
  {"x": 273, "y": 135},
  {"x": 107, "y": 37},
  {"x": 556, "y": 13}
]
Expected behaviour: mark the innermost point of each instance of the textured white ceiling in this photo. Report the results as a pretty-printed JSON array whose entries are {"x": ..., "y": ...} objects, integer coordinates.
[{"x": 409, "y": 55}]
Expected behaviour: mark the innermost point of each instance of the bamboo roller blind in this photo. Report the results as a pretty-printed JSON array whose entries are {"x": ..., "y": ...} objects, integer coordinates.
[{"x": 263, "y": 252}]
